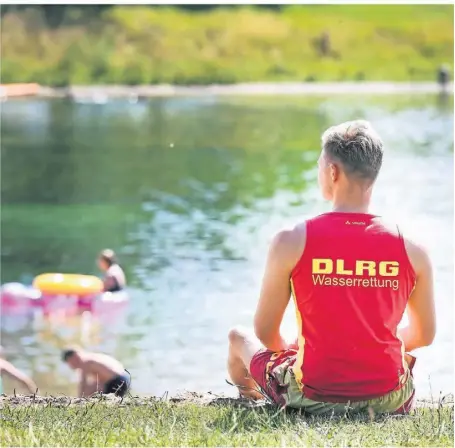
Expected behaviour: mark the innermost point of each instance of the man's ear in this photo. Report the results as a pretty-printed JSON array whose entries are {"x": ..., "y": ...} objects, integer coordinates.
[{"x": 334, "y": 172}]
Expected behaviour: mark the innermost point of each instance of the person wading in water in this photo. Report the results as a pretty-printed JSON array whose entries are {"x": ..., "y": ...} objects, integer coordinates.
[{"x": 114, "y": 278}]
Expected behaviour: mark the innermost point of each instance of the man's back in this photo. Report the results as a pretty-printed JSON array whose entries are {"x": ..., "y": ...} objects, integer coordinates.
[
  {"x": 102, "y": 366},
  {"x": 351, "y": 287}
]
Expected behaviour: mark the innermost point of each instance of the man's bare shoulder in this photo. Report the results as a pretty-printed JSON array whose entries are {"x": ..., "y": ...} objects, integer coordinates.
[
  {"x": 94, "y": 357},
  {"x": 102, "y": 360},
  {"x": 92, "y": 360},
  {"x": 418, "y": 255},
  {"x": 287, "y": 238},
  {"x": 288, "y": 244}
]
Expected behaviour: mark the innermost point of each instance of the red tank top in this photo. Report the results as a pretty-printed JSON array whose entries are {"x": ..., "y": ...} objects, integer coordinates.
[{"x": 350, "y": 286}]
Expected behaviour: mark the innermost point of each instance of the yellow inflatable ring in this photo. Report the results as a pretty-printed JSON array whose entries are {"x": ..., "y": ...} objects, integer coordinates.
[{"x": 68, "y": 284}]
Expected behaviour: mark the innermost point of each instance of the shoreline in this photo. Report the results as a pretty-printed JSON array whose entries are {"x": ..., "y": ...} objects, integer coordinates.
[
  {"x": 187, "y": 397},
  {"x": 102, "y": 92}
]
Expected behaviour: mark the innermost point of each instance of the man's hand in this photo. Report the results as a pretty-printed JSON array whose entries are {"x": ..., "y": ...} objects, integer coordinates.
[
  {"x": 31, "y": 386},
  {"x": 294, "y": 345}
]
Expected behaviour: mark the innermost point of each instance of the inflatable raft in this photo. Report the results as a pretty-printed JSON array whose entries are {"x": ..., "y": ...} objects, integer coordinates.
[
  {"x": 68, "y": 285},
  {"x": 54, "y": 291}
]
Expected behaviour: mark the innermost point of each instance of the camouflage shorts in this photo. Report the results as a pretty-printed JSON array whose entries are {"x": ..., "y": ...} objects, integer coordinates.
[{"x": 275, "y": 377}]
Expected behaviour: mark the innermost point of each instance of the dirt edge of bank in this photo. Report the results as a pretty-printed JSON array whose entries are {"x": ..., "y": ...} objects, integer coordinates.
[{"x": 201, "y": 399}]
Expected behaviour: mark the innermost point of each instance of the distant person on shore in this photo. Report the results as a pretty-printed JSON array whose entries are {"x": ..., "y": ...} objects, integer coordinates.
[
  {"x": 352, "y": 276},
  {"x": 7, "y": 369},
  {"x": 99, "y": 372},
  {"x": 114, "y": 278},
  {"x": 443, "y": 79}
]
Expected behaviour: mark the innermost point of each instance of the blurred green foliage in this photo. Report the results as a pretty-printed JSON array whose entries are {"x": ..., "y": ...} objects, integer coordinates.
[{"x": 149, "y": 44}]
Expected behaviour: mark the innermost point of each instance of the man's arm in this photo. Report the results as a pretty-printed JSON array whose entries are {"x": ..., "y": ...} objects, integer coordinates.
[
  {"x": 284, "y": 253},
  {"x": 420, "y": 308},
  {"x": 11, "y": 371},
  {"x": 82, "y": 383}
]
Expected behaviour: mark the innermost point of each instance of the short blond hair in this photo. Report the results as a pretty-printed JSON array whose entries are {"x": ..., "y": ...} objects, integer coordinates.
[{"x": 356, "y": 146}]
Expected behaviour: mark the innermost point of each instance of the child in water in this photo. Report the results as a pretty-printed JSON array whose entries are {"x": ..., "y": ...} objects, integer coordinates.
[{"x": 114, "y": 279}]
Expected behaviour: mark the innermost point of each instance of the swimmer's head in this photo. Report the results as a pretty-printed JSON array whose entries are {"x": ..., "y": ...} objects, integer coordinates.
[
  {"x": 351, "y": 157},
  {"x": 106, "y": 259},
  {"x": 72, "y": 356}
]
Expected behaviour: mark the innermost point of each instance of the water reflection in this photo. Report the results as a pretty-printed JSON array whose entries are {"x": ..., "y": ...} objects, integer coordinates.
[{"x": 190, "y": 191}]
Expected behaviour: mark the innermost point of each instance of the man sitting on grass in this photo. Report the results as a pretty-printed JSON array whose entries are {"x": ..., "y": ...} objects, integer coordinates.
[
  {"x": 99, "y": 372},
  {"x": 351, "y": 276}
]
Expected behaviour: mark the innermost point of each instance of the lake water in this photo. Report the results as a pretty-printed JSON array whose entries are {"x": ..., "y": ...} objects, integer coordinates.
[{"x": 189, "y": 192}]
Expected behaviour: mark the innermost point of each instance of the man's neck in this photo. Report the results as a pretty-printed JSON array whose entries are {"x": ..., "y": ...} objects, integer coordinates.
[
  {"x": 350, "y": 209},
  {"x": 352, "y": 204},
  {"x": 352, "y": 197}
]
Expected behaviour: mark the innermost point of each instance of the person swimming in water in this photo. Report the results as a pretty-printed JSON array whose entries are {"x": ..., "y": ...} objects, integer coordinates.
[
  {"x": 109, "y": 375},
  {"x": 7, "y": 369},
  {"x": 114, "y": 279}
]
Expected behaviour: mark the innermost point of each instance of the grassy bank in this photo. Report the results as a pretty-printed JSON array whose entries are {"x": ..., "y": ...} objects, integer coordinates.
[
  {"x": 198, "y": 422},
  {"x": 147, "y": 45}
]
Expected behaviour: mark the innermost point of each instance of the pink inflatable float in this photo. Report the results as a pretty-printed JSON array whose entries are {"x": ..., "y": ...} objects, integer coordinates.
[{"x": 17, "y": 297}]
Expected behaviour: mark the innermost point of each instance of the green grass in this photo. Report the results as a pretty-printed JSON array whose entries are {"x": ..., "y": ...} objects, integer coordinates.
[
  {"x": 146, "y": 45},
  {"x": 153, "y": 422}
]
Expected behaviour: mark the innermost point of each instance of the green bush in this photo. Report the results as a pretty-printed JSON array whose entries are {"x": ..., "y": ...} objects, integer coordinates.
[{"x": 147, "y": 45}]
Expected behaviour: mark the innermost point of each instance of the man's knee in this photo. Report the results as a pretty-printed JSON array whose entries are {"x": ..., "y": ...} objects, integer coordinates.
[{"x": 237, "y": 336}]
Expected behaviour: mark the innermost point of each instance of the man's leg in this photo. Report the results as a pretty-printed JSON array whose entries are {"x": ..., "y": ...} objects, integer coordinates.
[{"x": 243, "y": 345}]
